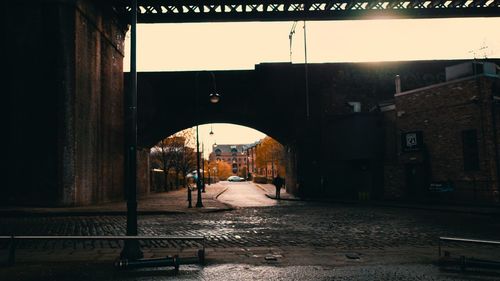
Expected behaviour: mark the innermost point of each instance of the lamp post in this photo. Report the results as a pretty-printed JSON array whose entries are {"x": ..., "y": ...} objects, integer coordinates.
[
  {"x": 131, "y": 249},
  {"x": 209, "y": 176},
  {"x": 190, "y": 205},
  {"x": 211, "y": 133},
  {"x": 215, "y": 173},
  {"x": 203, "y": 167},
  {"x": 214, "y": 98},
  {"x": 199, "y": 204}
]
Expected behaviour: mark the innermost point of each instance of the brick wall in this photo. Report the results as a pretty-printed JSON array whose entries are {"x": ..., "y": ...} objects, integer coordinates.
[
  {"x": 65, "y": 88},
  {"x": 98, "y": 106},
  {"x": 442, "y": 112}
]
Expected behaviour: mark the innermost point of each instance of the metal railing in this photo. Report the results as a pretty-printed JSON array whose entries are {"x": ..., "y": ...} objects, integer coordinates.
[
  {"x": 174, "y": 261},
  {"x": 464, "y": 261}
]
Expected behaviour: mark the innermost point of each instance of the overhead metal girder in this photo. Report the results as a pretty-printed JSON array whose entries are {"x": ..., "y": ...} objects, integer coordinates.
[{"x": 176, "y": 11}]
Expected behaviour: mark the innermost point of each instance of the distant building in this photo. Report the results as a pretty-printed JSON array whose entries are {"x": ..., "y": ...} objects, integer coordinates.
[
  {"x": 251, "y": 151},
  {"x": 233, "y": 154}
]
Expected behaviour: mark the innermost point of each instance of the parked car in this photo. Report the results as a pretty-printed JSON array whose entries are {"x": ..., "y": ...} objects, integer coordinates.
[{"x": 235, "y": 178}]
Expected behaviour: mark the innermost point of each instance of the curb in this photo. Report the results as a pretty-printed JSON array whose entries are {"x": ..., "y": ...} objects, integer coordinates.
[
  {"x": 68, "y": 213},
  {"x": 284, "y": 199},
  {"x": 400, "y": 206},
  {"x": 274, "y": 198},
  {"x": 220, "y": 193},
  {"x": 231, "y": 207},
  {"x": 259, "y": 186},
  {"x": 388, "y": 205},
  {"x": 105, "y": 213}
]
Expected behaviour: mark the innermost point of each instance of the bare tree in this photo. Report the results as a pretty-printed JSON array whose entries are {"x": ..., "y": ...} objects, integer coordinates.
[
  {"x": 185, "y": 158},
  {"x": 174, "y": 152},
  {"x": 164, "y": 153}
]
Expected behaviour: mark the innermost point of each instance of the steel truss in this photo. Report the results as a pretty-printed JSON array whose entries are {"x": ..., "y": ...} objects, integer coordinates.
[{"x": 176, "y": 11}]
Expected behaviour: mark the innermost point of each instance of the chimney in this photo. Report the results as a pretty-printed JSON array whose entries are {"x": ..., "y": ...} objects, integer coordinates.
[{"x": 397, "y": 80}]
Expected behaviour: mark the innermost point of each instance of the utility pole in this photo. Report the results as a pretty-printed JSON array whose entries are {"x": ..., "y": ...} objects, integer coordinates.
[{"x": 306, "y": 72}]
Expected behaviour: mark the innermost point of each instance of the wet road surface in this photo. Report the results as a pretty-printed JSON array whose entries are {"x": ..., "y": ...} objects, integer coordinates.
[
  {"x": 245, "y": 194},
  {"x": 311, "y": 242},
  {"x": 231, "y": 272}
]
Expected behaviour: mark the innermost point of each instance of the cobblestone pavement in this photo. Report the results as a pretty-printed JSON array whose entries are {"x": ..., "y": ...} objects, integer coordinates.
[
  {"x": 289, "y": 224},
  {"x": 293, "y": 233},
  {"x": 230, "y": 272}
]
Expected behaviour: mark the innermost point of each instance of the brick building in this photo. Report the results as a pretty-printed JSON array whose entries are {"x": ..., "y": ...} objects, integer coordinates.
[
  {"x": 251, "y": 151},
  {"x": 233, "y": 154},
  {"x": 441, "y": 141}
]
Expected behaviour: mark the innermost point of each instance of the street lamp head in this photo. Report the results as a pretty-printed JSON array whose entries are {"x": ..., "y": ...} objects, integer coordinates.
[{"x": 214, "y": 98}]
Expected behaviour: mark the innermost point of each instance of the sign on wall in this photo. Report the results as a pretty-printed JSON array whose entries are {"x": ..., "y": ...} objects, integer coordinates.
[
  {"x": 412, "y": 141},
  {"x": 441, "y": 187}
]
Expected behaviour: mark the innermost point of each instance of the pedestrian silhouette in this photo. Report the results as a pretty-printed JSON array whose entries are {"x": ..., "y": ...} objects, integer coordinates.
[{"x": 278, "y": 184}]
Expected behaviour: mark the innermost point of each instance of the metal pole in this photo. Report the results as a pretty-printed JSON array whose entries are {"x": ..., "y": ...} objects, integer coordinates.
[
  {"x": 203, "y": 167},
  {"x": 131, "y": 249},
  {"x": 199, "y": 204},
  {"x": 209, "y": 175},
  {"x": 306, "y": 72},
  {"x": 189, "y": 195}
]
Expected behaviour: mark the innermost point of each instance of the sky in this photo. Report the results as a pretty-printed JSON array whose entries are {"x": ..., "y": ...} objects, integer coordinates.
[
  {"x": 225, "y": 133},
  {"x": 232, "y": 46},
  {"x": 221, "y": 46}
]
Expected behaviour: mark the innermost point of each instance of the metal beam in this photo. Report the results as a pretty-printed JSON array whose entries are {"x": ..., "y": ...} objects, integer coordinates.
[{"x": 177, "y": 11}]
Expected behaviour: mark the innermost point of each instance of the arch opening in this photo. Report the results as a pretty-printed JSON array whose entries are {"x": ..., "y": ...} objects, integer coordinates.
[{"x": 227, "y": 151}]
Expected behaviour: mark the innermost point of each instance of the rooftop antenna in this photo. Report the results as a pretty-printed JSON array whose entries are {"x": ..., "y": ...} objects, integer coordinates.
[
  {"x": 290, "y": 36},
  {"x": 481, "y": 49}
]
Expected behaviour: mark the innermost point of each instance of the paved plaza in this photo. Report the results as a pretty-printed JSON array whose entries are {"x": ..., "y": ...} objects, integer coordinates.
[{"x": 290, "y": 240}]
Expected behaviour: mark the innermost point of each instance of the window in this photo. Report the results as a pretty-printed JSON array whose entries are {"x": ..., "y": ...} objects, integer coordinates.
[{"x": 470, "y": 150}]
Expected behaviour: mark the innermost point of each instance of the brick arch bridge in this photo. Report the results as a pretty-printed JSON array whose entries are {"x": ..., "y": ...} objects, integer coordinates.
[
  {"x": 65, "y": 88},
  {"x": 272, "y": 98},
  {"x": 265, "y": 100}
]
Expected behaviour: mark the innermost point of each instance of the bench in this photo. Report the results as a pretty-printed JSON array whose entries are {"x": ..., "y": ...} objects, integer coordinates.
[{"x": 463, "y": 261}]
